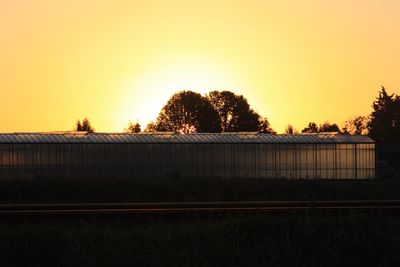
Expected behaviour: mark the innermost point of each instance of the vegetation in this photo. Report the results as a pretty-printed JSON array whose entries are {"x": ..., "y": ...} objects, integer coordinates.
[
  {"x": 264, "y": 126},
  {"x": 234, "y": 112},
  {"x": 327, "y": 127},
  {"x": 311, "y": 128},
  {"x": 236, "y": 240},
  {"x": 290, "y": 129},
  {"x": 357, "y": 125},
  {"x": 324, "y": 127},
  {"x": 384, "y": 125},
  {"x": 188, "y": 112},
  {"x": 132, "y": 127},
  {"x": 41, "y": 190},
  {"x": 85, "y": 126},
  {"x": 224, "y": 111},
  {"x": 150, "y": 127}
]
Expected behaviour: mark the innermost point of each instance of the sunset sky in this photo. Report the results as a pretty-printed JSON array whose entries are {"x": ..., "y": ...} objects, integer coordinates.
[{"x": 120, "y": 60}]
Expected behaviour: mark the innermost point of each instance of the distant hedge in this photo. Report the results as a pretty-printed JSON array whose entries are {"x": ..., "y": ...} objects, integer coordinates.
[{"x": 175, "y": 189}]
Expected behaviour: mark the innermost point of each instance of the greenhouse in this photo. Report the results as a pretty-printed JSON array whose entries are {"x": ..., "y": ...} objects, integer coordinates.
[{"x": 163, "y": 154}]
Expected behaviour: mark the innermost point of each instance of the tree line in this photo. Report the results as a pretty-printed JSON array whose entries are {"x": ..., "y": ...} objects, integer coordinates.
[
  {"x": 224, "y": 111},
  {"x": 190, "y": 112}
]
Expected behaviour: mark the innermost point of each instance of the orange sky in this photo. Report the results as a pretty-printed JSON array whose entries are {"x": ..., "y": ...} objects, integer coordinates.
[{"x": 115, "y": 60}]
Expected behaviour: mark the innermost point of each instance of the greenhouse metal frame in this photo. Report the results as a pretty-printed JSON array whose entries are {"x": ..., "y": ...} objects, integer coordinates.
[{"x": 163, "y": 154}]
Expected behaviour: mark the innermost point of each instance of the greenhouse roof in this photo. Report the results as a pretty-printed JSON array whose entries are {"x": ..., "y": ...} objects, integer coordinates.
[{"x": 169, "y": 137}]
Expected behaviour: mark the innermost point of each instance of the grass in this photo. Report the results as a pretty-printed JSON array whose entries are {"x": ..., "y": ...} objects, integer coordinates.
[
  {"x": 258, "y": 240},
  {"x": 42, "y": 190},
  {"x": 228, "y": 240}
]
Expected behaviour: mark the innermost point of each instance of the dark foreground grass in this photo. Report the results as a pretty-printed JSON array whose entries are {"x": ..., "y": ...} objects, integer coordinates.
[
  {"x": 56, "y": 190},
  {"x": 258, "y": 240}
]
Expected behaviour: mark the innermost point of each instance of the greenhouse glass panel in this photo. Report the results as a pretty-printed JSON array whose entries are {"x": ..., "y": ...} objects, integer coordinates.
[{"x": 251, "y": 155}]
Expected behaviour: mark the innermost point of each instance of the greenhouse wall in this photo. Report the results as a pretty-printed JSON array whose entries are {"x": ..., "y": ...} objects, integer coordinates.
[{"x": 247, "y": 159}]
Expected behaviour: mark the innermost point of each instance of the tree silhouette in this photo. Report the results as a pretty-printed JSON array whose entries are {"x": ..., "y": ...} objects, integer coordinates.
[
  {"x": 356, "y": 125},
  {"x": 150, "y": 127},
  {"x": 384, "y": 125},
  {"x": 234, "y": 112},
  {"x": 327, "y": 127},
  {"x": 84, "y": 126},
  {"x": 290, "y": 129},
  {"x": 311, "y": 128},
  {"x": 78, "y": 126},
  {"x": 132, "y": 128},
  {"x": 264, "y": 126},
  {"x": 188, "y": 112}
]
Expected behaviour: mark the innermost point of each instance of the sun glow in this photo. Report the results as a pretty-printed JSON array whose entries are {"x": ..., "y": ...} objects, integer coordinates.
[{"x": 156, "y": 84}]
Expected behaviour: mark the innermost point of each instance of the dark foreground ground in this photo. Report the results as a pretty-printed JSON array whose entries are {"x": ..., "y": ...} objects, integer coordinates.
[
  {"x": 355, "y": 239},
  {"x": 229, "y": 240},
  {"x": 194, "y": 189}
]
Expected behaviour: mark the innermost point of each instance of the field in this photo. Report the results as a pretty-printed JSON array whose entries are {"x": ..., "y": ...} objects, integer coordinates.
[
  {"x": 196, "y": 189},
  {"x": 309, "y": 239},
  {"x": 256, "y": 240}
]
